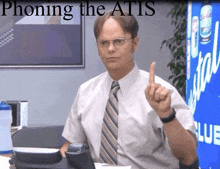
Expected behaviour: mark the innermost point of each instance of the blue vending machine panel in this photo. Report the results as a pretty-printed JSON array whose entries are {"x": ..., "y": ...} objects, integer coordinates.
[{"x": 203, "y": 78}]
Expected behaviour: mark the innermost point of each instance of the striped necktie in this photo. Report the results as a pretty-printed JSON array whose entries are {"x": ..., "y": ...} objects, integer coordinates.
[{"x": 108, "y": 150}]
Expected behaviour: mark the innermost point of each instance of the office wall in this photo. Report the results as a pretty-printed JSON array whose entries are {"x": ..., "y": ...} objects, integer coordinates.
[{"x": 51, "y": 92}]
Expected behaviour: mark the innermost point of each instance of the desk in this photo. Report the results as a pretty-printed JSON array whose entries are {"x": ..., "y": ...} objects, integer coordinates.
[
  {"x": 6, "y": 155},
  {"x": 4, "y": 161}
]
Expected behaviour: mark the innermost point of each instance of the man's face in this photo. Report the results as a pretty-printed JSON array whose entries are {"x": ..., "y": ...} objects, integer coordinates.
[{"x": 117, "y": 55}]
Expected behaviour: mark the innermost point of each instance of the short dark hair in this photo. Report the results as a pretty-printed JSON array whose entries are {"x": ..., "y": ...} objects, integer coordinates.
[{"x": 128, "y": 22}]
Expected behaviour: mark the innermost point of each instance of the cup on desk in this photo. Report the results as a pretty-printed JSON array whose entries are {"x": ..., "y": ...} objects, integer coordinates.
[{"x": 5, "y": 125}]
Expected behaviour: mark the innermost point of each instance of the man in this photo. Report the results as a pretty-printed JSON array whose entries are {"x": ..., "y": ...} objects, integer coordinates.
[{"x": 149, "y": 134}]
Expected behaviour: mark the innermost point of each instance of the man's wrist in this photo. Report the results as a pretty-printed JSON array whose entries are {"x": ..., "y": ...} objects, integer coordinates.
[
  {"x": 170, "y": 118},
  {"x": 195, "y": 165}
]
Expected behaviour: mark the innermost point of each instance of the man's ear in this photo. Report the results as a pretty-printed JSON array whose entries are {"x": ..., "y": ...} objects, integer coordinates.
[{"x": 135, "y": 43}]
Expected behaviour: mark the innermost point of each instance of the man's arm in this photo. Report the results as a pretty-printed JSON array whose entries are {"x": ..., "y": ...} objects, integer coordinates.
[
  {"x": 181, "y": 142},
  {"x": 64, "y": 148},
  {"x": 73, "y": 130}
]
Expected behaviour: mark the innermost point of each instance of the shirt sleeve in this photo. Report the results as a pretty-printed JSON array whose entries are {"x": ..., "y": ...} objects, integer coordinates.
[
  {"x": 73, "y": 130},
  {"x": 183, "y": 112}
]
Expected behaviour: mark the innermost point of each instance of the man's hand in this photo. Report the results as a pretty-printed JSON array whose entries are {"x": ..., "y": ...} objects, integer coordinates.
[
  {"x": 158, "y": 96},
  {"x": 64, "y": 148},
  {"x": 181, "y": 142}
]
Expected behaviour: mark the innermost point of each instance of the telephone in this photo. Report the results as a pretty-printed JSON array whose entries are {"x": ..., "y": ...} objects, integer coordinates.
[{"x": 77, "y": 157}]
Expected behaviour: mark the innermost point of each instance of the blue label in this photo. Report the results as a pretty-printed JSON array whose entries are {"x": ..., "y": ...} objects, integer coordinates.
[
  {"x": 6, "y": 152},
  {"x": 4, "y": 106}
]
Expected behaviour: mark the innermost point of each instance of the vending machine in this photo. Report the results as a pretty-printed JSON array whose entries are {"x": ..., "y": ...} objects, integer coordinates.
[{"x": 203, "y": 78}]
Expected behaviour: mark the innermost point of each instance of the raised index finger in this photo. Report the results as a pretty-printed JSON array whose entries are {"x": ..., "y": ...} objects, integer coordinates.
[{"x": 151, "y": 75}]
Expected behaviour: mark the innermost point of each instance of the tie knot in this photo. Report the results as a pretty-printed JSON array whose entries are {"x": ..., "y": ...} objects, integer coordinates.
[
  {"x": 115, "y": 87},
  {"x": 114, "y": 84}
]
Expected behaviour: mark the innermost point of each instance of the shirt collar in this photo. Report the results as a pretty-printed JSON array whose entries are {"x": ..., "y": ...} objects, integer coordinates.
[{"x": 126, "y": 82}]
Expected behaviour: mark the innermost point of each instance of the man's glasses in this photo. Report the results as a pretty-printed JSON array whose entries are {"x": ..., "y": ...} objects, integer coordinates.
[{"x": 116, "y": 42}]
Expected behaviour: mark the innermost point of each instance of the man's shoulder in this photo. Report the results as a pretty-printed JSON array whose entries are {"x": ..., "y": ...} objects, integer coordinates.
[{"x": 94, "y": 82}]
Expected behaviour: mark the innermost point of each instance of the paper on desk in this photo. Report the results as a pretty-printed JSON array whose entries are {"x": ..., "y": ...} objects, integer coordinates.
[
  {"x": 4, "y": 161},
  {"x": 106, "y": 166}
]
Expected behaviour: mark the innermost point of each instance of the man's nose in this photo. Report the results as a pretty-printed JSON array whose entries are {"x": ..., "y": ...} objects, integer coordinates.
[{"x": 111, "y": 46}]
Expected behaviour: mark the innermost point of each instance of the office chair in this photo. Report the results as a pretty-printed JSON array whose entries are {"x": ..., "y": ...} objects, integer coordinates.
[{"x": 43, "y": 137}]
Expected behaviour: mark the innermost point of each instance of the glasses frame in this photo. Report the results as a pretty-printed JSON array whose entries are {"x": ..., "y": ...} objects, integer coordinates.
[{"x": 113, "y": 42}]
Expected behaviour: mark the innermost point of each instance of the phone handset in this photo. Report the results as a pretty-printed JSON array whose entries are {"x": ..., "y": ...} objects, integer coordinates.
[{"x": 79, "y": 157}]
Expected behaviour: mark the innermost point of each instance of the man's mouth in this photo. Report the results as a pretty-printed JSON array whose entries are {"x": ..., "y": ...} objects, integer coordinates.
[{"x": 112, "y": 59}]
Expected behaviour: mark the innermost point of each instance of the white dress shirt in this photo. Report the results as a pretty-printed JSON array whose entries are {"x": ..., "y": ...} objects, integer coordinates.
[{"x": 141, "y": 138}]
